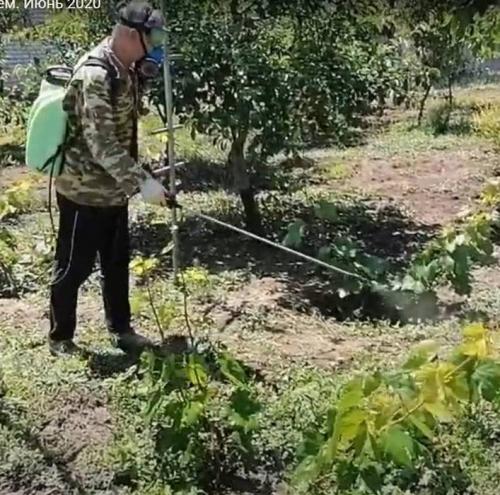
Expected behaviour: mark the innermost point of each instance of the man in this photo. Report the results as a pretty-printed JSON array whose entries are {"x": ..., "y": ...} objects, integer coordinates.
[{"x": 100, "y": 174}]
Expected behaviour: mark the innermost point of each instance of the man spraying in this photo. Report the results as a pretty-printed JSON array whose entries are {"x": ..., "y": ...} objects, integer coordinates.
[{"x": 100, "y": 174}]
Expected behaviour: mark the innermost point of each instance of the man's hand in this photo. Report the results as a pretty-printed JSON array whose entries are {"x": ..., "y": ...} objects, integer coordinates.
[{"x": 153, "y": 192}]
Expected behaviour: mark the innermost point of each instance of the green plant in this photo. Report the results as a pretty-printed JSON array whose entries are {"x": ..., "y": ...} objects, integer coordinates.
[
  {"x": 439, "y": 118},
  {"x": 71, "y": 32},
  {"x": 344, "y": 254},
  {"x": 487, "y": 123},
  {"x": 449, "y": 258},
  {"x": 195, "y": 279},
  {"x": 381, "y": 420},
  {"x": 276, "y": 77},
  {"x": 187, "y": 148},
  {"x": 202, "y": 411},
  {"x": 8, "y": 258},
  {"x": 16, "y": 199},
  {"x": 144, "y": 303},
  {"x": 446, "y": 37}
]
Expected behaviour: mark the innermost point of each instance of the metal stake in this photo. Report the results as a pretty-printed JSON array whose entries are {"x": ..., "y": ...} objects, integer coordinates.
[{"x": 167, "y": 76}]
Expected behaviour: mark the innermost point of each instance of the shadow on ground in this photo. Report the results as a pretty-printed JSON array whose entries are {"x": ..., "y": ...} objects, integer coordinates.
[{"x": 108, "y": 364}]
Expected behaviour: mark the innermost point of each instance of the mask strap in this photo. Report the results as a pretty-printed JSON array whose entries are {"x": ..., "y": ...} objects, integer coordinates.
[{"x": 143, "y": 44}]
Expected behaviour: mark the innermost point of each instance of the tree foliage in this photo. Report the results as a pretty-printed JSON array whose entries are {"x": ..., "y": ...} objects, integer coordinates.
[{"x": 262, "y": 78}]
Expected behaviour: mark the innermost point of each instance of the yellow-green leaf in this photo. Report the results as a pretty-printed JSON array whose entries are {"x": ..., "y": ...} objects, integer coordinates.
[
  {"x": 192, "y": 412},
  {"x": 196, "y": 373},
  {"x": 421, "y": 354},
  {"x": 350, "y": 399},
  {"x": 371, "y": 383},
  {"x": 475, "y": 331},
  {"x": 459, "y": 387},
  {"x": 439, "y": 411},
  {"x": 421, "y": 426},
  {"x": 350, "y": 424},
  {"x": 478, "y": 349}
]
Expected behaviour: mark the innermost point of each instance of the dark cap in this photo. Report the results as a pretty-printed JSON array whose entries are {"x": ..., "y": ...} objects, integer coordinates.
[{"x": 141, "y": 16}]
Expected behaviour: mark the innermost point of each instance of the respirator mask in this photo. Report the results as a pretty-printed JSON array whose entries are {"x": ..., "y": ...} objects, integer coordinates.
[
  {"x": 149, "y": 66},
  {"x": 150, "y": 25}
]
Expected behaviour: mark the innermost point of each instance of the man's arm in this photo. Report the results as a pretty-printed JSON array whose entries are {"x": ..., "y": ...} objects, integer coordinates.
[{"x": 100, "y": 132}]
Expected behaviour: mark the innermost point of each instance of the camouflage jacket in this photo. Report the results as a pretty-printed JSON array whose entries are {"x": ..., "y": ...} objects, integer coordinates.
[{"x": 100, "y": 169}]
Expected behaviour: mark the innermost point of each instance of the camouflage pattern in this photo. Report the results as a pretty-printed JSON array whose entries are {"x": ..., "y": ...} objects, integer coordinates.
[{"x": 99, "y": 166}]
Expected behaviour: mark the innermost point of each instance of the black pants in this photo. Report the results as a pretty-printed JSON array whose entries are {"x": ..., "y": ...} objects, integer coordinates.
[{"x": 87, "y": 232}]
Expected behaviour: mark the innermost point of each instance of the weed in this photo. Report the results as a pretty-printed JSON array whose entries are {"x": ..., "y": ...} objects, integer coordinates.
[
  {"x": 337, "y": 170},
  {"x": 487, "y": 124},
  {"x": 200, "y": 410}
]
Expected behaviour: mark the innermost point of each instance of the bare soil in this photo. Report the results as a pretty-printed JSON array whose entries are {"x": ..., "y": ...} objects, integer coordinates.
[{"x": 433, "y": 186}]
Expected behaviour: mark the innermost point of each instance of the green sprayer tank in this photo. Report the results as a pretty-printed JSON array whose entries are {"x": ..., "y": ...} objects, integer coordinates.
[{"x": 47, "y": 123}]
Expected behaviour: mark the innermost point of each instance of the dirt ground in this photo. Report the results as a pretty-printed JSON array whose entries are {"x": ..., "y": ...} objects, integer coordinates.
[{"x": 433, "y": 186}]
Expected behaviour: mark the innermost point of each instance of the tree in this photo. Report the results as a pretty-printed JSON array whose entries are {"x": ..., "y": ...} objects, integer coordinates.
[
  {"x": 446, "y": 37},
  {"x": 265, "y": 77}
]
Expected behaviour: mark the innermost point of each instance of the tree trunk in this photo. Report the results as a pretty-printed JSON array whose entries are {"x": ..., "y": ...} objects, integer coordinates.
[
  {"x": 380, "y": 103},
  {"x": 422, "y": 104},
  {"x": 450, "y": 102},
  {"x": 450, "y": 92},
  {"x": 241, "y": 182}
]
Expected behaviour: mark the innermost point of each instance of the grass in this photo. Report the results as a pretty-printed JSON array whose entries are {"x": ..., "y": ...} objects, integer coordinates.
[
  {"x": 75, "y": 425},
  {"x": 337, "y": 170}
]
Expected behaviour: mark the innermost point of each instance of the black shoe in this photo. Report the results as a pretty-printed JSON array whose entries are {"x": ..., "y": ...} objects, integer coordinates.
[
  {"x": 132, "y": 342},
  {"x": 63, "y": 348}
]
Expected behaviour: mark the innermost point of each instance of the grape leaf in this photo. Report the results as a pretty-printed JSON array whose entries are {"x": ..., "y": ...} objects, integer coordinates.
[
  {"x": 244, "y": 405},
  {"x": 421, "y": 426},
  {"x": 192, "y": 412},
  {"x": 347, "y": 474},
  {"x": 487, "y": 378},
  {"x": 474, "y": 331},
  {"x": 351, "y": 395},
  {"x": 421, "y": 354},
  {"x": 196, "y": 373},
  {"x": 439, "y": 410},
  {"x": 232, "y": 370},
  {"x": 326, "y": 211},
  {"x": 371, "y": 383},
  {"x": 372, "y": 478},
  {"x": 399, "y": 445},
  {"x": 350, "y": 423}
]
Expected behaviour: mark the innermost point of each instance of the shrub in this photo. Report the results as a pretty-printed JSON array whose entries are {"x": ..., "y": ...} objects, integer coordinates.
[
  {"x": 439, "y": 118},
  {"x": 443, "y": 118}
]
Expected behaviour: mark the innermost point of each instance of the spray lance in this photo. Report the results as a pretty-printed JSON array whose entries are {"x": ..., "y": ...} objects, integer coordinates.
[{"x": 172, "y": 203}]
